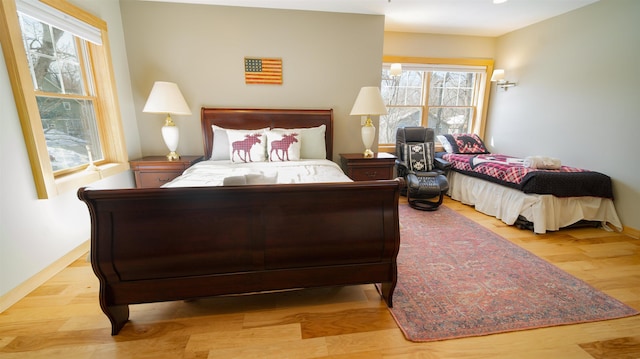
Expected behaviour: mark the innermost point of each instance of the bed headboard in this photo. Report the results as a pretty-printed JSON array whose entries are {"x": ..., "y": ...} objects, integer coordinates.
[{"x": 250, "y": 119}]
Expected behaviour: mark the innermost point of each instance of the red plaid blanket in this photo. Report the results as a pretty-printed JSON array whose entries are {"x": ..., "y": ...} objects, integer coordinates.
[
  {"x": 510, "y": 171},
  {"x": 504, "y": 168}
]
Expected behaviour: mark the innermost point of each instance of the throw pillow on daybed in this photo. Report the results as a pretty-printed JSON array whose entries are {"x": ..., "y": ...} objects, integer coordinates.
[{"x": 462, "y": 143}]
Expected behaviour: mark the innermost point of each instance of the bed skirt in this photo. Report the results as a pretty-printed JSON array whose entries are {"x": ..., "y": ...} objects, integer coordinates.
[{"x": 547, "y": 212}]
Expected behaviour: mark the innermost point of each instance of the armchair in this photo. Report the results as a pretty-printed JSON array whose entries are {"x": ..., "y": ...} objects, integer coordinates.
[{"x": 424, "y": 174}]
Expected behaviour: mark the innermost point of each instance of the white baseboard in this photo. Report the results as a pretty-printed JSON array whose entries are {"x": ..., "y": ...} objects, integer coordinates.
[
  {"x": 631, "y": 232},
  {"x": 21, "y": 291}
]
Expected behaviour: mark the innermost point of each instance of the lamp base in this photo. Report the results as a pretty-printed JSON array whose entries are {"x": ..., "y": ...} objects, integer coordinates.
[
  {"x": 171, "y": 135},
  {"x": 368, "y": 133},
  {"x": 173, "y": 156}
]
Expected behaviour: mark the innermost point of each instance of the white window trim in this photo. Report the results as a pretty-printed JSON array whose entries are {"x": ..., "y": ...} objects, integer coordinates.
[{"x": 47, "y": 14}]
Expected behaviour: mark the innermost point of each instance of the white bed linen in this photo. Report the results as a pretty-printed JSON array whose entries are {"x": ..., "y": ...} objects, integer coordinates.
[
  {"x": 213, "y": 173},
  {"x": 547, "y": 212}
]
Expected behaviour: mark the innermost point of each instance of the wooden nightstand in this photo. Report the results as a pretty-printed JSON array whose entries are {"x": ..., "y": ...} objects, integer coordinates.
[
  {"x": 359, "y": 168},
  {"x": 154, "y": 171}
]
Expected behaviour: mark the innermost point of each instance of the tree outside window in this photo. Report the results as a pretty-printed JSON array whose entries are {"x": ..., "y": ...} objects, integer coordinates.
[
  {"x": 447, "y": 99},
  {"x": 64, "y": 93}
]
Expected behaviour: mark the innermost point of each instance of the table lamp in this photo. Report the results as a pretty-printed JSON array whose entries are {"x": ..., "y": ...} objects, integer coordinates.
[
  {"x": 369, "y": 102},
  {"x": 165, "y": 97}
]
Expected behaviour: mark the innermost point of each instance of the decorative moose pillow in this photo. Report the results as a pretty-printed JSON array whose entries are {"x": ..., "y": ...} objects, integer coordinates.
[
  {"x": 247, "y": 145},
  {"x": 283, "y": 146}
]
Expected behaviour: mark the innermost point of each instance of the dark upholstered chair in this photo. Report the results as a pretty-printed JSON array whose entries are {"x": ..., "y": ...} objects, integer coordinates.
[{"x": 424, "y": 174}]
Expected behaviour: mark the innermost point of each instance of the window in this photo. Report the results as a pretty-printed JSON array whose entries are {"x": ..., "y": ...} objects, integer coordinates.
[
  {"x": 61, "y": 74},
  {"x": 62, "y": 81},
  {"x": 441, "y": 94}
]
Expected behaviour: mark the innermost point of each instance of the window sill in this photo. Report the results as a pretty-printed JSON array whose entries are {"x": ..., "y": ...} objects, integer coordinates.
[{"x": 76, "y": 180}]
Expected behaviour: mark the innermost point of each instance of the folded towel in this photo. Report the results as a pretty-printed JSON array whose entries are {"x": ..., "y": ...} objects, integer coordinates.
[
  {"x": 234, "y": 181},
  {"x": 251, "y": 179},
  {"x": 261, "y": 178},
  {"x": 542, "y": 162}
]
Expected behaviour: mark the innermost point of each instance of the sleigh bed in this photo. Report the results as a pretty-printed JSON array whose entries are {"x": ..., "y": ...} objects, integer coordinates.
[
  {"x": 245, "y": 231},
  {"x": 534, "y": 192}
]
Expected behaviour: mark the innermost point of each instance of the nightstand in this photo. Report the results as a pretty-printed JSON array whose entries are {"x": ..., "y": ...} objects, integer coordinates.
[
  {"x": 154, "y": 171},
  {"x": 360, "y": 168}
]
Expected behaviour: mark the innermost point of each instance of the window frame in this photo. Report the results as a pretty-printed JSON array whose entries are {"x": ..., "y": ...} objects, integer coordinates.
[
  {"x": 479, "y": 122},
  {"x": 108, "y": 116}
]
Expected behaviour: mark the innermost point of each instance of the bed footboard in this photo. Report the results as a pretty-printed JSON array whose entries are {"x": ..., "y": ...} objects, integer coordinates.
[{"x": 150, "y": 245}]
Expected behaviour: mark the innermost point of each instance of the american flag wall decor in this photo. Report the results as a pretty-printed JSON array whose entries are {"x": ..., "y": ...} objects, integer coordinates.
[{"x": 262, "y": 71}]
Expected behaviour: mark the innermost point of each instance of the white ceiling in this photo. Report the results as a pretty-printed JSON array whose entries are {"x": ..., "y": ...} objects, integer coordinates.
[{"x": 458, "y": 17}]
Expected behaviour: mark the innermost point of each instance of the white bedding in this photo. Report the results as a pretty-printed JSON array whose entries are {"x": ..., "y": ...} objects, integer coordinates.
[
  {"x": 213, "y": 173},
  {"x": 547, "y": 212}
]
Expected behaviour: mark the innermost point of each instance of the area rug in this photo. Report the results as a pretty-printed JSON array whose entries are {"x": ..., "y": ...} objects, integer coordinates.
[{"x": 457, "y": 279}]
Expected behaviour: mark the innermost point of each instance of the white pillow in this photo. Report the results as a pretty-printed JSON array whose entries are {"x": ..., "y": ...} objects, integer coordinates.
[
  {"x": 283, "y": 146},
  {"x": 445, "y": 143},
  {"x": 312, "y": 144},
  {"x": 220, "y": 150},
  {"x": 247, "y": 145}
]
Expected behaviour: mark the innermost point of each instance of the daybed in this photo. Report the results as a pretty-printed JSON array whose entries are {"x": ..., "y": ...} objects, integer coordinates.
[
  {"x": 163, "y": 244},
  {"x": 533, "y": 192}
]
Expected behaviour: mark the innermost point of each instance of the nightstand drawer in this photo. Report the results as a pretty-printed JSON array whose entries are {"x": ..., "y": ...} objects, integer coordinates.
[
  {"x": 154, "y": 179},
  {"x": 371, "y": 173},
  {"x": 154, "y": 171},
  {"x": 360, "y": 168}
]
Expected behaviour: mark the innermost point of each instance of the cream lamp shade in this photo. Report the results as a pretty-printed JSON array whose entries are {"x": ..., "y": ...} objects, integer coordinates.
[
  {"x": 498, "y": 75},
  {"x": 369, "y": 102},
  {"x": 165, "y": 97}
]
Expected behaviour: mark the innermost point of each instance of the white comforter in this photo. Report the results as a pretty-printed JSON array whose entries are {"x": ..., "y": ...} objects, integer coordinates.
[{"x": 213, "y": 173}]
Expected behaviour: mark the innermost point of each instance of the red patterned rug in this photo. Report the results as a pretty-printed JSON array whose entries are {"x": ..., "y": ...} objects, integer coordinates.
[{"x": 457, "y": 279}]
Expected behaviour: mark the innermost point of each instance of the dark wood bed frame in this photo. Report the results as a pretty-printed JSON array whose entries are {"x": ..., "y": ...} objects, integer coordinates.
[{"x": 163, "y": 244}]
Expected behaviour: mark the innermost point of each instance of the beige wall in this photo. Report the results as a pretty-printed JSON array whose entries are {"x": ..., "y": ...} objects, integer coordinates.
[
  {"x": 326, "y": 58},
  {"x": 438, "y": 46},
  {"x": 577, "y": 95}
]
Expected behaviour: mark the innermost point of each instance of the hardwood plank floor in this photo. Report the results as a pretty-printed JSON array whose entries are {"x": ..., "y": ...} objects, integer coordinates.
[{"x": 62, "y": 318}]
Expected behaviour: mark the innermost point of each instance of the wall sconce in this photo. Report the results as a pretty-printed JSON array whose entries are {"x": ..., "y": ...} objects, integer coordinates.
[
  {"x": 395, "y": 69},
  {"x": 498, "y": 78}
]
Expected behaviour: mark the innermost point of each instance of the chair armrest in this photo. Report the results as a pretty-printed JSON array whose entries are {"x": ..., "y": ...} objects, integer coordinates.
[
  {"x": 402, "y": 168},
  {"x": 426, "y": 174},
  {"x": 442, "y": 164}
]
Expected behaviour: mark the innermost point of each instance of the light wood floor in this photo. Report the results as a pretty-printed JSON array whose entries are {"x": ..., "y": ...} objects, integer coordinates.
[{"x": 62, "y": 318}]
